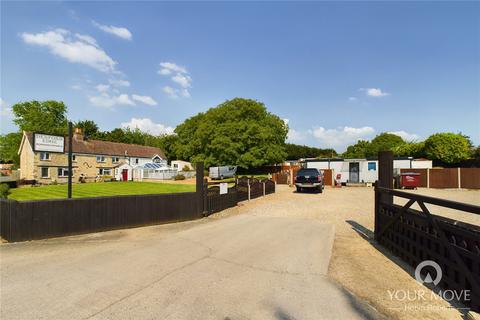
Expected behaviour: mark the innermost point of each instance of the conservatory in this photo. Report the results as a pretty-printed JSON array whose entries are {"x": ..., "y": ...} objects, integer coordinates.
[{"x": 154, "y": 171}]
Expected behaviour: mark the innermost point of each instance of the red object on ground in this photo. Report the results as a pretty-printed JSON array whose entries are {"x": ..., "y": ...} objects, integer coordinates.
[{"x": 410, "y": 180}]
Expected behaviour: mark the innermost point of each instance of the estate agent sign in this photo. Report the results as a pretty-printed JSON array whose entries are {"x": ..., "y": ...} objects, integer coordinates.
[{"x": 49, "y": 143}]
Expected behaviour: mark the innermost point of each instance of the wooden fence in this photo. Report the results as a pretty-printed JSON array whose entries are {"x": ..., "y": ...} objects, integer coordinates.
[
  {"x": 468, "y": 178},
  {"x": 29, "y": 220},
  {"x": 416, "y": 236}
]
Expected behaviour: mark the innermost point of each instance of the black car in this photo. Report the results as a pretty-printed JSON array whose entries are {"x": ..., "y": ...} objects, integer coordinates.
[{"x": 309, "y": 179}]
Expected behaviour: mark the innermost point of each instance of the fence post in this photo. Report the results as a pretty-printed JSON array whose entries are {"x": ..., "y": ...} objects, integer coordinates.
[
  {"x": 377, "y": 213},
  {"x": 263, "y": 182},
  {"x": 459, "y": 179},
  {"x": 385, "y": 174},
  {"x": 200, "y": 187},
  {"x": 248, "y": 187},
  {"x": 428, "y": 177}
]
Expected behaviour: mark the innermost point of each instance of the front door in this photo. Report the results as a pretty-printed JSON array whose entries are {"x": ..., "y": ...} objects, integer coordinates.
[
  {"x": 354, "y": 168},
  {"x": 125, "y": 175}
]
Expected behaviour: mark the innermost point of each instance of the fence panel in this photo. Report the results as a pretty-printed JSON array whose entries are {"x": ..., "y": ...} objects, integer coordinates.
[
  {"x": 328, "y": 177},
  {"x": 256, "y": 188},
  {"x": 470, "y": 178},
  {"x": 416, "y": 236},
  {"x": 269, "y": 186},
  {"x": 444, "y": 178},
  {"x": 217, "y": 202}
]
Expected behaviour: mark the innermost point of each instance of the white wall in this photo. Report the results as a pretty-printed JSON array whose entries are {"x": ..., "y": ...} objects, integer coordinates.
[{"x": 422, "y": 164}]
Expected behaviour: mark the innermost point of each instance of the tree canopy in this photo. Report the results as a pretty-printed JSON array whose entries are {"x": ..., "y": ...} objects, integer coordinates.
[
  {"x": 448, "y": 147},
  {"x": 295, "y": 151},
  {"x": 45, "y": 116},
  {"x": 237, "y": 132}
]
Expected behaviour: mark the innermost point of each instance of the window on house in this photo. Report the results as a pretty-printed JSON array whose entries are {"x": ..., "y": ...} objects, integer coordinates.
[
  {"x": 45, "y": 172},
  {"x": 104, "y": 172},
  {"x": 115, "y": 159},
  {"x": 372, "y": 166},
  {"x": 136, "y": 160},
  {"x": 44, "y": 156},
  {"x": 175, "y": 166},
  {"x": 62, "y": 172},
  {"x": 100, "y": 159},
  {"x": 157, "y": 160}
]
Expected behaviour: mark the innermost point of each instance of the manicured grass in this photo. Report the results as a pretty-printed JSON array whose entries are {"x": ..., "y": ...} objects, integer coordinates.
[{"x": 83, "y": 190}]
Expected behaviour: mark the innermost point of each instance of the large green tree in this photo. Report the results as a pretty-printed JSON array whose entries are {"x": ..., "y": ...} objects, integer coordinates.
[
  {"x": 237, "y": 132},
  {"x": 448, "y": 147},
  {"x": 9, "y": 144},
  {"x": 41, "y": 116},
  {"x": 384, "y": 142}
]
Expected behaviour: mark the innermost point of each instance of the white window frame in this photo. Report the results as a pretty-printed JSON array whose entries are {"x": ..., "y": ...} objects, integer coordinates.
[
  {"x": 41, "y": 173},
  {"x": 63, "y": 172},
  {"x": 101, "y": 171},
  {"x": 101, "y": 159},
  {"x": 115, "y": 159},
  {"x": 45, "y": 156}
]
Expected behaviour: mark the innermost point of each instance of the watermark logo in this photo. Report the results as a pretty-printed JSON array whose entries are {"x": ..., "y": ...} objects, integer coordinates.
[{"x": 428, "y": 278}]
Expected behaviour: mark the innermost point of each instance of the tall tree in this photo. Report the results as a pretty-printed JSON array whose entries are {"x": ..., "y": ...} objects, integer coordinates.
[
  {"x": 448, "y": 147},
  {"x": 9, "y": 144},
  {"x": 41, "y": 116},
  {"x": 237, "y": 132},
  {"x": 384, "y": 142}
]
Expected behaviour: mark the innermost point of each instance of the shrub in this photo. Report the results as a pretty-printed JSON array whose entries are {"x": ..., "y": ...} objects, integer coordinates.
[
  {"x": 4, "y": 190},
  {"x": 179, "y": 177}
]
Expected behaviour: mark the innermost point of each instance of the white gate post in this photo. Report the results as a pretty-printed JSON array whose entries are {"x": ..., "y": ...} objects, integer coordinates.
[
  {"x": 263, "y": 188},
  {"x": 248, "y": 184}
]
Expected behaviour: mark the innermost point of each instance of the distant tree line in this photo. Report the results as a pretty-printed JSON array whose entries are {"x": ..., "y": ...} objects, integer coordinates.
[
  {"x": 446, "y": 149},
  {"x": 295, "y": 152}
]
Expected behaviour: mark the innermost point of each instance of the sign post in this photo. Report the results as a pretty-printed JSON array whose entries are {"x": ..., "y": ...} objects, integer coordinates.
[{"x": 70, "y": 160}]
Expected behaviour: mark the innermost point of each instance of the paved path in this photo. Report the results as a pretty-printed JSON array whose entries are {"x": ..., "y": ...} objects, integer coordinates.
[{"x": 240, "y": 267}]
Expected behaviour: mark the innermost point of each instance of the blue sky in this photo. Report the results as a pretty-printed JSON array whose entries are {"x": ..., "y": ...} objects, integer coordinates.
[{"x": 337, "y": 71}]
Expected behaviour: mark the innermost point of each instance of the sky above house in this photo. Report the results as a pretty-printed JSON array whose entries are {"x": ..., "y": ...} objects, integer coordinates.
[{"x": 335, "y": 71}]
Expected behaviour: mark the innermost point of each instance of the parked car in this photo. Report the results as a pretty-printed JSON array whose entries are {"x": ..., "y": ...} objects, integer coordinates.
[
  {"x": 309, "y": 178},
  {"x": 222, "y": 172}
]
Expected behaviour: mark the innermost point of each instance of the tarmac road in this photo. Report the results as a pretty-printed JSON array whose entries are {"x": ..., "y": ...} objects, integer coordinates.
[{"x": 239, "y": 267}]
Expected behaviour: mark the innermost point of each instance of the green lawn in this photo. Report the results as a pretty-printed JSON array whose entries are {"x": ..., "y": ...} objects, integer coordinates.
[{"x": 97, "y": 190}]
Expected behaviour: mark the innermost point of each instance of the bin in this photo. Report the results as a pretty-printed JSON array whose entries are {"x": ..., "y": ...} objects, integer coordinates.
[{"x": 410, "y": 180}]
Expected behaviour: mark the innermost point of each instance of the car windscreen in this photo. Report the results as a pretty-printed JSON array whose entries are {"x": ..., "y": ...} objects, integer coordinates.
[{"x": 307, "y": 172}]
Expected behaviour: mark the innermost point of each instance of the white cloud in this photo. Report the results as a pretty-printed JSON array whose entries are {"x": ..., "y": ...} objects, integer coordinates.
[
  {"x": 406, "y": 136},
  {"x": 102, "y": 88},
  {"x": 147, "y": 125},
  {"x": 180, "y": 76},
  {"x": 374, "y": 92},
  {"x": 5, "y": 109},
  {"x": 352, "y": 99},
  {"x": 77, "y": 48},
  {"x": 144, "y": 99},
  {"x": 170, "y": 67},
  {"x": 171, "y": 92},
  {"x": 120, "y": 32},
  {"x": 295, "y": 136},
  {"x": 341, "y": 136},
  {"x": 107, "y": 101},
  {"x": 119, "y": 83}
]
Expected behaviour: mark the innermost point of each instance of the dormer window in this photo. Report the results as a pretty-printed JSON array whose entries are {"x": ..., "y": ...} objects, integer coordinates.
[{"x": 156, "y": 159}]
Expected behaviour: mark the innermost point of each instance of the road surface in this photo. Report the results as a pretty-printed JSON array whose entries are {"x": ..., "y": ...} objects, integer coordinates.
[{"x": 238, "y": 267}]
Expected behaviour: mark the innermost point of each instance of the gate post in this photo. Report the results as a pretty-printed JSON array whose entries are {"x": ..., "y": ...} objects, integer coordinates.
[
  {"x": 248, "y": 186},
  {"x": 199, "y": 187},
  {"x": 385, "y": 174},
  {"x": 263, "y": 183}
]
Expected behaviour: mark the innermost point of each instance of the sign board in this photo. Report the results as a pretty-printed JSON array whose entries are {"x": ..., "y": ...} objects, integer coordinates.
[
  {"x": 223, "y": 188},
  {"x": 49, "y": 143}
]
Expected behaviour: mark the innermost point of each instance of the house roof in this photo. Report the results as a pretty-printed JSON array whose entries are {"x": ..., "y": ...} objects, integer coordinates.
[{"x": 108, "y": 148}]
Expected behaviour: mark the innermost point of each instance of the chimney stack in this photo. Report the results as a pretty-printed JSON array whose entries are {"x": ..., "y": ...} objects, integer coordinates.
[{"x": 78, "y": 134}]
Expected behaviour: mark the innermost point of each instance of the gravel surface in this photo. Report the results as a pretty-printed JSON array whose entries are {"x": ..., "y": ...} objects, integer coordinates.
[{"x": 357, "y": 262}]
